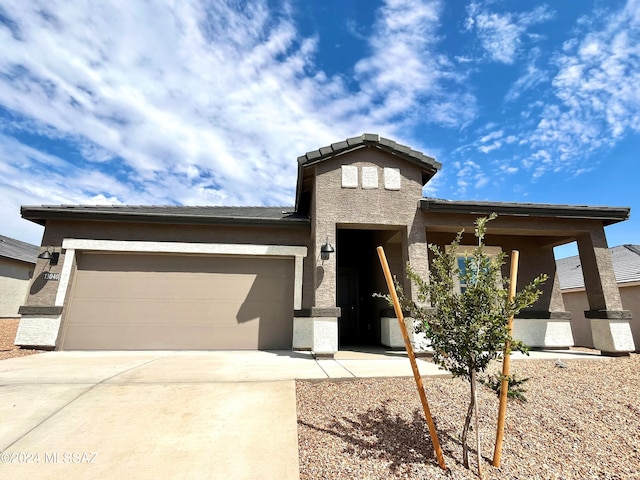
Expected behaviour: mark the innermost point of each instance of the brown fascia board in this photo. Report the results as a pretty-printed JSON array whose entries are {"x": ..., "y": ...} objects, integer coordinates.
[
  {"x": 609, "y": 215},
  {"x": 40, "y": 214}
]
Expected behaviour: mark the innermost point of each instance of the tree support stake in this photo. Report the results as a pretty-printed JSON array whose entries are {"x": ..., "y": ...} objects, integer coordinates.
[{"x": 412, "y": 358}]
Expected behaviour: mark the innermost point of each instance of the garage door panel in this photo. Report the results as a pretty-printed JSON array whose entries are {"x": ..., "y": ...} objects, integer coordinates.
[
  {"x": 194, "y": 286},
  {"x": 117, "y": 262},
  {"x": 154, "y": 337},
  {"x": 167, "y": 312},
  {"x": 229, "y": 303}
]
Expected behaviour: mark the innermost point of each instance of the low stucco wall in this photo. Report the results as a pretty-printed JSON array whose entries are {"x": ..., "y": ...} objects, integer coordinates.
[
  {"x": 14, "y": 282},
  {"x": 543, "y": 332},
  {"x": 576, "y": 302}
]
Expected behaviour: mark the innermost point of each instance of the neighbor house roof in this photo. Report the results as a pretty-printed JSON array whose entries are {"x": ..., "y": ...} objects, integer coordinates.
[
  {"x": 280, "y": 216},
  {"x": 17, "y": 250},
  {"x": 626, "y": 266},
  {"x": 608, "y": 215}
]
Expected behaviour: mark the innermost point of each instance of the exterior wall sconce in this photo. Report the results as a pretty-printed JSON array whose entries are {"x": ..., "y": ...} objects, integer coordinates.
[
  {"x": 326, "y": 250},
  {"x": 51, "y": 256}
]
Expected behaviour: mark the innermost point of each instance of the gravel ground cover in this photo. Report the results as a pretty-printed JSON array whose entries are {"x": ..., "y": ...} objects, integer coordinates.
[
  {"x": 579, "y": 422},
  {"x": 8, "y": 329}
]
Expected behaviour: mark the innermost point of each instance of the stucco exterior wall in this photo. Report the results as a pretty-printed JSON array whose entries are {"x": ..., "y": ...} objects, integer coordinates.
[
  {"x": 576, "y": 302},
  {"x": 533, "y": 261},
  {"x": 14, "y": 284},
  {"x": 374, "y": 208},
  {"x": 42, "y": 292}
]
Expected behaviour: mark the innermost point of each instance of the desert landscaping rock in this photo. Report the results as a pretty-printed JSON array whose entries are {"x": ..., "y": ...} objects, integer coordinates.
[
  {"x": 8, "y": 329},
  {"x": 580, "y": 422}
]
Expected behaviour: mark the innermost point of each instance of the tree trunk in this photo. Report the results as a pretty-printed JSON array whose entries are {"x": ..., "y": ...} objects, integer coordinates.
[{"x": 465, "y": 432}]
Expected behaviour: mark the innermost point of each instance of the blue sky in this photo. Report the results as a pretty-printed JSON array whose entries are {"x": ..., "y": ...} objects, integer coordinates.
[{"x": 211, "y": 102}]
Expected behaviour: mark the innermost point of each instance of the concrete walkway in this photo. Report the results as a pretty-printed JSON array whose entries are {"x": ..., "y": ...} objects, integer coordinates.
[{"x": 173, "y": 415}]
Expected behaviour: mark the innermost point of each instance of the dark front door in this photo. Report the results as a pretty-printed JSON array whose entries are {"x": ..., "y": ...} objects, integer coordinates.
[{"x": 347, "y": 286}]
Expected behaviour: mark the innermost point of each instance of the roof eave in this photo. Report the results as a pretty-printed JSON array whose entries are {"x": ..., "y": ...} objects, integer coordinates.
[
  {"x": 608, "y": 215},
  {"x": 41, "y": 215},
  {"x": 16, "y": 259}
]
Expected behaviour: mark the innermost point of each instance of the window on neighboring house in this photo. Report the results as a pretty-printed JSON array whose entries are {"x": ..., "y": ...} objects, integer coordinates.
[{"x": 462, "y": 254}]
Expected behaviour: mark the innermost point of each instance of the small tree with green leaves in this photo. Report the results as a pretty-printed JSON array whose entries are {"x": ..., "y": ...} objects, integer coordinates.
[{"x": 467, "y": 320}]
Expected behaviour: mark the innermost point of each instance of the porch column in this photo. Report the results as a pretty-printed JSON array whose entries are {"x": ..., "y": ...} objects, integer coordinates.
[
  {"x": 610, "y": 324},
  {"x": 324, "y": 315},
  {"x": 418, "y": 252}
]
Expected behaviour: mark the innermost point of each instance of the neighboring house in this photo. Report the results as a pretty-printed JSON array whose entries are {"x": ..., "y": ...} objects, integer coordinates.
[
  {"x": 626, "y": 266},
  {"x": 301, "y": 277},
  {"x": 17, "y": 261}
]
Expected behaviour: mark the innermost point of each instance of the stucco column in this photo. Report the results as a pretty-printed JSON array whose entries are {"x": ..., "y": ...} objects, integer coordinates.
[
  {"x": 325, "y": 270},
  {"x": 597, "y": 268},
  {"x": 610, "y": 324},
  {"x": 418, "y": 251},
  {"x": 324, "y": 315},
  {"x": 546, "y": 324}
]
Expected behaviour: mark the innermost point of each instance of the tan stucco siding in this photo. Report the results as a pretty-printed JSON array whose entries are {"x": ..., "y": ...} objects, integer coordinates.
[
  {"x": 630, "y": 296},
  {"x": 375, "y": 208},
  {"x": 576, "y": 303},
  {"x": 533, "y": 261},
  {"x": 43, "y": 292},
  {"x": 14, "y": 283}
]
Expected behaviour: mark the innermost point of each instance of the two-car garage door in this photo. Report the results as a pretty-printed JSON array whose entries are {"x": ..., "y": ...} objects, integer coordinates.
[{"x": 186, "y": 302}]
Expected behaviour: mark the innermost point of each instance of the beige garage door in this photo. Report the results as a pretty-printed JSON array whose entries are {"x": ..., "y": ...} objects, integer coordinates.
[{"x": 188, "y": 302}]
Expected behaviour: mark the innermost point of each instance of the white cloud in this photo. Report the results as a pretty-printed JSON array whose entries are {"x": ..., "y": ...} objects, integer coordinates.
[
  {"x": 202, "y": 102},
  {"x": 406, "y": 71},
  {"x": 501, "y": 35},
  {"x": 596, "y": 87},
  {"x": 469, "y": 174},
  {"x": 492, "y": 136},
  {"x": 531, "y": 78},
  {"x": 490, "y": 147}
]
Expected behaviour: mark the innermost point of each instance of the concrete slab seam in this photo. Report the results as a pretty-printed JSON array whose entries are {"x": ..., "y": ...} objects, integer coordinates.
[
  {"x": 322, "y": 368},
  {"x": 71, "y": 401},
  {"x": 352, "y": 374}
]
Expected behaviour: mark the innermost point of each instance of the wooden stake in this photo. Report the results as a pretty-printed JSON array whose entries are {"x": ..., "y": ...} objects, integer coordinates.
[
  {"x": 504, "y": 387},
  {"x": 412, "y": 358},
  {"x": 476, "y": 412}
]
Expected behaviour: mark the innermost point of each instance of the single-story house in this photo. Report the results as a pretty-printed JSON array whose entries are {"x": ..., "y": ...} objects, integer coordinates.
[
  {"x": 626, "y": 267},
  {"x": 17, "y": 262},
  {"x": 299, "y": 277}
]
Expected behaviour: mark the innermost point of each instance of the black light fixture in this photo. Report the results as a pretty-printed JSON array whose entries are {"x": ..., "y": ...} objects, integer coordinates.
[
  {"x": 326, "y": 250},
  {"x": 46, "y": 255},
  {"x": 51, "y": 256}
]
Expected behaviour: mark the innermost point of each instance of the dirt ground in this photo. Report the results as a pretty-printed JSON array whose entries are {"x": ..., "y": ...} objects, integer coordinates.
[{"x": 8, "y": 329}]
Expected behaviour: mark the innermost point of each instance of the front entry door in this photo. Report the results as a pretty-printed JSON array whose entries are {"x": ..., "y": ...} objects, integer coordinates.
[{"x": 347, "y": 287}]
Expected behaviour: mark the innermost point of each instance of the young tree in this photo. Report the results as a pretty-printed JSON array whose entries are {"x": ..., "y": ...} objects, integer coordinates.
[{"x": 466, "y": 322}]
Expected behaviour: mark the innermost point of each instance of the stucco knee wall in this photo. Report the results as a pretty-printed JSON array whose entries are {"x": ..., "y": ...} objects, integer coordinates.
[{"x": 543, "y": 332}]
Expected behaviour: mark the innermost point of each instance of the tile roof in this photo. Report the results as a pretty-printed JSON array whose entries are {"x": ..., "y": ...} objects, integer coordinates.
[
  {"x": 626, "y": 266},
  {"x": 17, "y": 250},
  {"x": 167, "y": 214},
  {"x": 315, "y": 156}
]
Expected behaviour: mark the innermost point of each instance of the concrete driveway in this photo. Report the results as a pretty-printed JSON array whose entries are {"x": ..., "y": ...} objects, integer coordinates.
[{"x": 162, "y": 415}]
